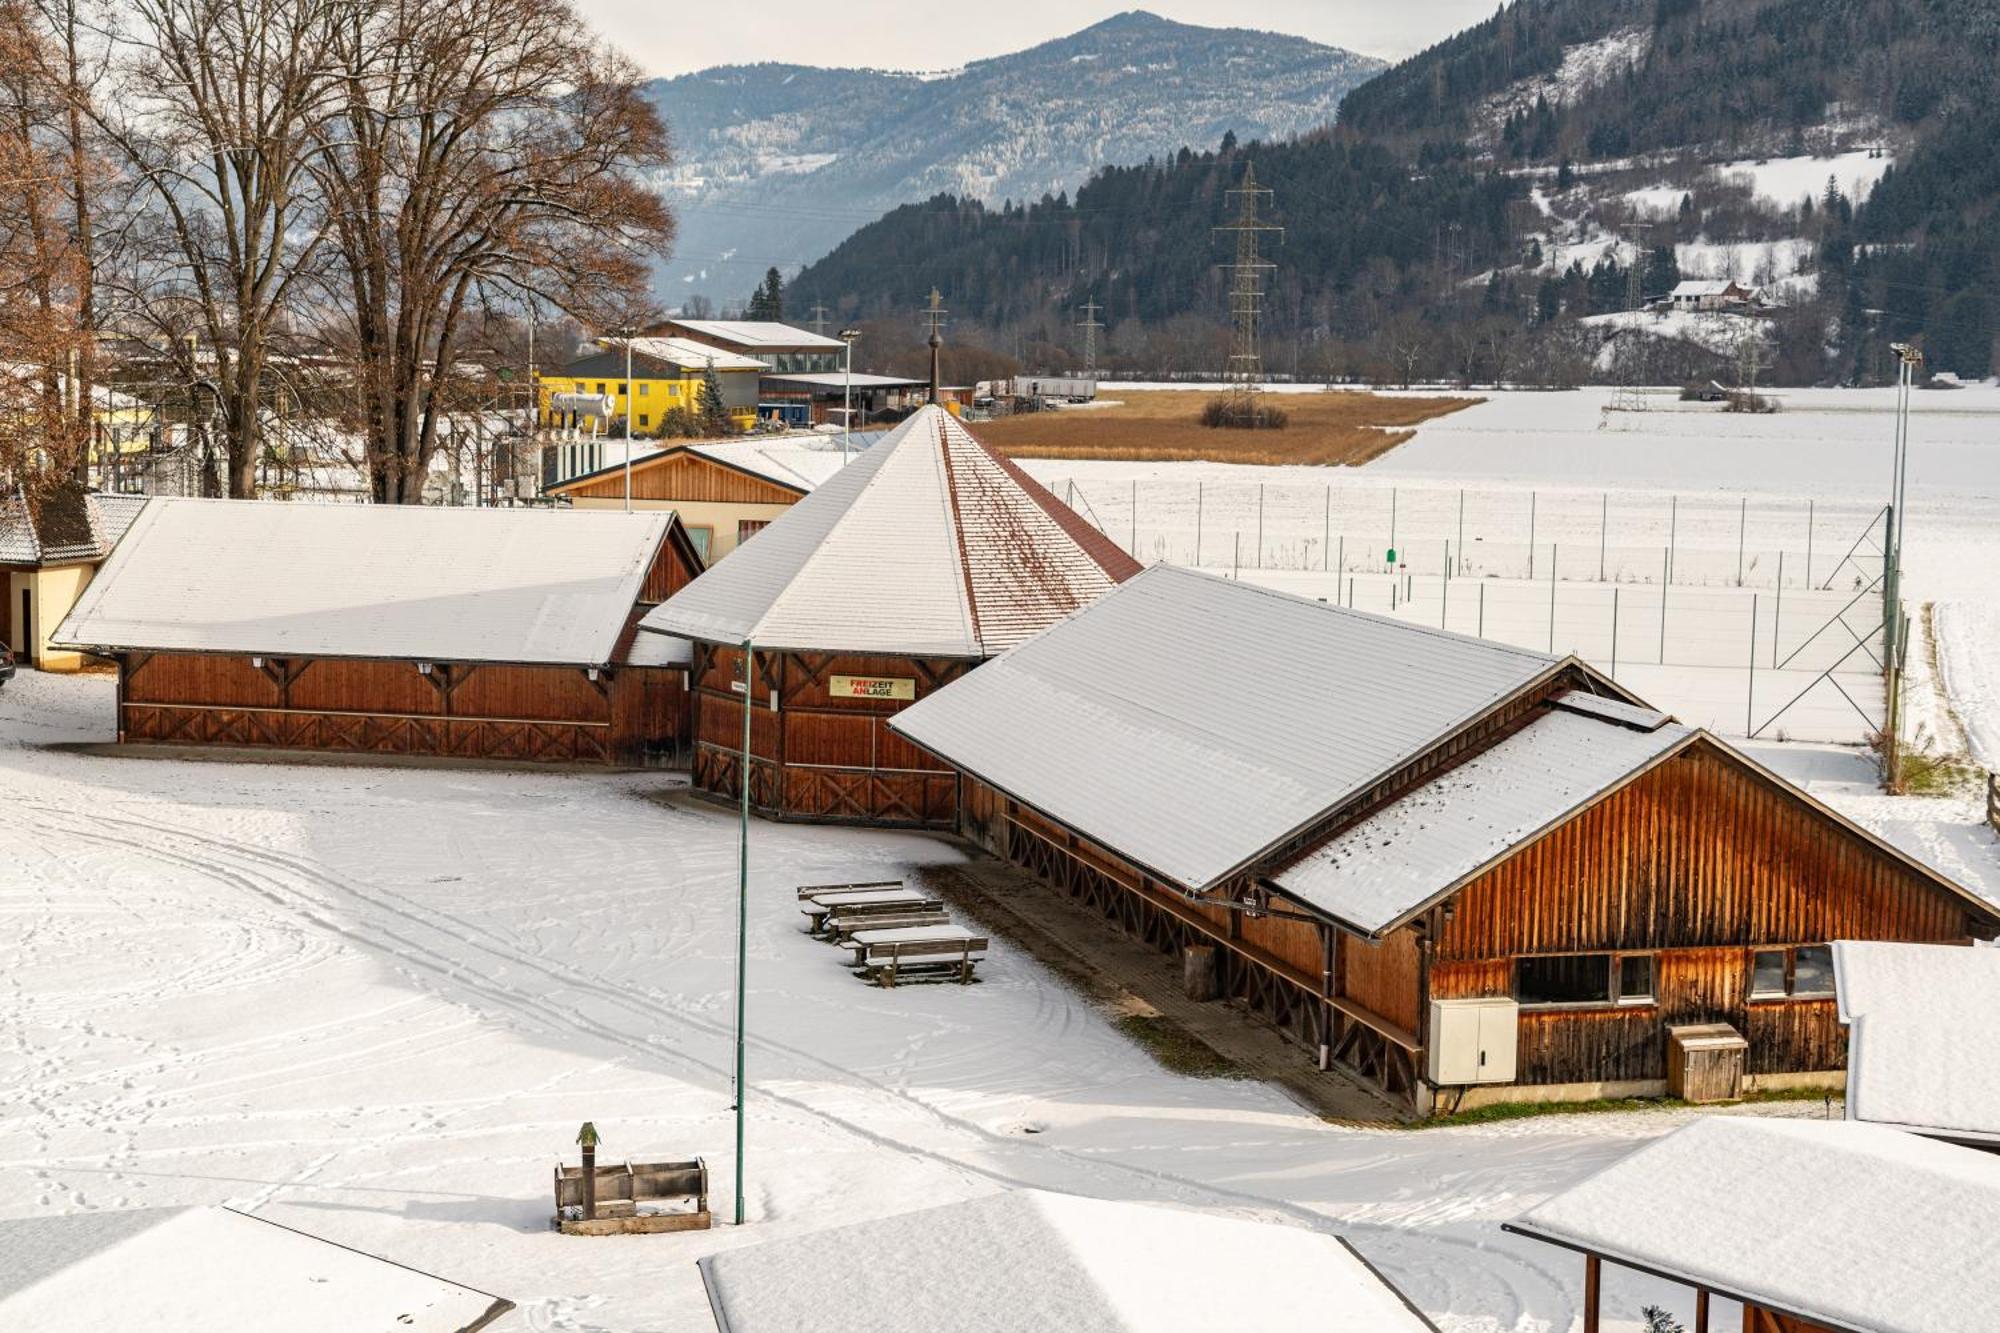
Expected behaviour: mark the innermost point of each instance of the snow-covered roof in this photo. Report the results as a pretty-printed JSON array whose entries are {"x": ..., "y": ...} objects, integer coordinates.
[
  {"x": 685, "y": 353},
  {"x": 1923, "y": 1052},
  {"x": 801, "y": 464},
  {"x": 215, "y": 1270},
  {"x": 758, "y": 333},
  {"x": 834, "y": 379},
  {"x": 1190, "y": 723},
  {"x": 1852, "y": 1226},
  {"x": 928, "y": 544},
  {"x": 415, "y": 582},
  {"x": 1704, "y": 287},
  {"x": 1378, "y": 872},
  {"x": 67, "y": 527},
  {"x": 1028, "y": 1262}
]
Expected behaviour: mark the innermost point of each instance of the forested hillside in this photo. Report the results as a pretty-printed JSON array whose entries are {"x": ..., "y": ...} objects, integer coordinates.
[{"x": 1479, "y": 208}]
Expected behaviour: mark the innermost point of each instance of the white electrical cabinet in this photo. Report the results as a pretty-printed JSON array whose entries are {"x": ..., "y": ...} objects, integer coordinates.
[{"x": 1472, "y": 1041}]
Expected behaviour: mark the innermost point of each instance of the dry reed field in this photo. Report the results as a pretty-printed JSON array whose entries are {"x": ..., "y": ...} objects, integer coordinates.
[{"x": 1164, "y": 425}]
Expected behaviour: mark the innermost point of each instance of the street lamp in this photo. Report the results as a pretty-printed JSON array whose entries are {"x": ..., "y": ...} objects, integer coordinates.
[
  {"x": 847, "y": 337},
  {"x": 628, "y": 419}
]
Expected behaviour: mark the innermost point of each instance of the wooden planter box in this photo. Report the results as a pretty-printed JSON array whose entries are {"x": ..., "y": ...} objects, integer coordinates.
[
  {"x": 1705, "y": 1062},
  {"x": 622, "y": 1188}
]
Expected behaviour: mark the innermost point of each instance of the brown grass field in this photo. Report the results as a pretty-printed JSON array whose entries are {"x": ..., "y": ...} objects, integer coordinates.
[{"x": 1163, "y": 425}]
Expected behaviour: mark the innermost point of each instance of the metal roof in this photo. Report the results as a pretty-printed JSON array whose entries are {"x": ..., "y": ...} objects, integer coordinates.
[
  {"x": 1852, "y": 1226},
  {"x": 1025, "y": 1262},
  {"x": 927, "y": 544},
  {"x": 359, "y": 580},
  {"x": 1190, "y": 723},
  {"x": 758, "y": 333},
  {"x": 1378, "y": 872},
  {"x": 835, "y": 379},
  {"x": 1922, "y": 1052}
]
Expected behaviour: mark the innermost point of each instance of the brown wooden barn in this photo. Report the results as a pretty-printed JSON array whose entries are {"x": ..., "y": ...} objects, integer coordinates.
[
  {"x": 926, "y": 555},
  {"x": 1462, "y": 871},
  {"x": 385, "y": 629}
]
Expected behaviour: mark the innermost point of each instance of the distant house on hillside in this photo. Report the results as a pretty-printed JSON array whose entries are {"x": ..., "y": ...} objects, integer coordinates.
[
  {"x": 49, "y": 550},
  {"x": 1715, "y": 294}
]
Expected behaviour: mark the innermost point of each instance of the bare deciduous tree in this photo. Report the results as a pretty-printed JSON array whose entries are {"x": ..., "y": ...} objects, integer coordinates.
[
  {"x": 486, "y": 151},
  {"x": 219, "y": 111}
]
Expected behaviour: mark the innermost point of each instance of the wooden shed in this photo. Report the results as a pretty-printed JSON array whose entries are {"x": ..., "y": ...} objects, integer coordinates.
[
  {"x": 1805, "y": 1226},
  {"x": 926, "y": 555},
  {"x": 51, "y": 545},
  {"x": 1463, "y": 872},
  {"x": 385, "y": 629}
]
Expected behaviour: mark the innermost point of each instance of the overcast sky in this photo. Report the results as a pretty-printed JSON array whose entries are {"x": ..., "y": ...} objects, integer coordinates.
[{"x": 926, "y": 35}]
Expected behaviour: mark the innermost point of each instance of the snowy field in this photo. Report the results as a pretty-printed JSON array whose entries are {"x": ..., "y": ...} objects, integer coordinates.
[
  {"x": 376, "y": 1004},
  {"x": 1735, "y": 507}
]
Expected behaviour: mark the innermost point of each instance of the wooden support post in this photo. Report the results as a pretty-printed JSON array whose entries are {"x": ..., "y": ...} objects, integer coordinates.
[
  {"x": 587, "y": 1137},
  {"x": 1593, "y": 1320},
  {"x": 1701, "y": 1310}
]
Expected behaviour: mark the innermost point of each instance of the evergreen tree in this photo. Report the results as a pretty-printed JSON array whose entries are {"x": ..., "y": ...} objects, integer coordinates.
[
  {"x": 768, "y": 301},
  {"x": 714, "y": 417}
]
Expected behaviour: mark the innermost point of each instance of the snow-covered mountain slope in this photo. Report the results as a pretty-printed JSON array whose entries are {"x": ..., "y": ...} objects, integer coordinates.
[{"x": 779, "y": 163}]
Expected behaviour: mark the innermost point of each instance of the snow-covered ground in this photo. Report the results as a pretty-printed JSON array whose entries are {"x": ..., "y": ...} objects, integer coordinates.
[{"x": 376, "y": 1004}]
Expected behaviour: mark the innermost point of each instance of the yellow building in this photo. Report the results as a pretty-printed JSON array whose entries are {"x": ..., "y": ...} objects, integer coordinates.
[
  {"x": 667, "y": 373},
  {"x": 49, "y": 552}
]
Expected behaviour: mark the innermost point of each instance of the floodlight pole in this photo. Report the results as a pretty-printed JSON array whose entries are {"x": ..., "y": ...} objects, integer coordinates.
[
  {"x": 847, "y": 337},
  {"x": 743, "y": 906}
]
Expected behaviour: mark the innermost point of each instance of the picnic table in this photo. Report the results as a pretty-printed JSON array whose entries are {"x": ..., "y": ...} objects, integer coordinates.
[
  {"x": 816, "y": 890},
  {"x": 884, "y": 953},
  {"x": 863, "y": 903},
  {"x": 841, "y": 926}
]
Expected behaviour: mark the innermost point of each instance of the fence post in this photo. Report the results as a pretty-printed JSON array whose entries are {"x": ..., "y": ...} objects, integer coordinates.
[
  {"x": 1343, "y": 561},
  {"x": 1750, "y": 695},
  {"x": 1742, "y": 529},
  {"x": 1461, "y": 523},
  {"x": 1260, "y": 525},
  {"x": 1326, "y": 530},
  {"x": 1531, "y": 535},
  {"x": 1666, "y": 577},
  {"x": 1673, "y": 537},
  {"x": 1603, "y": 528},
  {"x": 1350, "y": 592},
  {"x": 1236, "y": 557},
  {"x": 1482, "y": 608},
  {"x": 1778, "y": 613},
  {"x": 1552, "y": 599},
  {"x": 1197, "y": 524},
  {"x": 1614, "y": 632}
]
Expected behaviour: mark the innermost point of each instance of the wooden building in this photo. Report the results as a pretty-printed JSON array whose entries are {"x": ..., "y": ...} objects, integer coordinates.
[
  {"x": 724, "y": 492},
  {"x": 923, "y": 557},
  {"x": 1802, "y": 1226},
  {"x": 389, "y": 629},
  {"x": 50, "y": 548},
  {"x": 1463, "y": 872}
]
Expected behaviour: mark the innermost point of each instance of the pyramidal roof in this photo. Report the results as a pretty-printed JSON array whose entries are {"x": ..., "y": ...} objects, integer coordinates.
[{"x": 928, "y": 544}]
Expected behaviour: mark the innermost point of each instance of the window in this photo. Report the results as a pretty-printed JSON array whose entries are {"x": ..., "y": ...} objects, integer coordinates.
[
  {"x": 1635, "y": 979},
  {"x": 600, "y": 386},
  {"x": 645, "y": 420},
  {"x": 644, "y": 388},
  {"x": 1804, "y": 972},
  {"x": 746, "y": 528},
  {"x": 701, "y": 537},
  {"x": 1584, "y": 979}
]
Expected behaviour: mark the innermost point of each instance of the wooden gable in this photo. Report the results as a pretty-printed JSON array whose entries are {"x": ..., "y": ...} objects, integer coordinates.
[{"x": 678, "y": 476}]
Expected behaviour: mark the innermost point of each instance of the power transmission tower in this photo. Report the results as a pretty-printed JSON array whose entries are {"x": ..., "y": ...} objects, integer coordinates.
[
  {"x": 1090, "y": 325},
  {"x": 1246, "y": 289},
  {"x": 934, "y": 315},
  {"x": 819, "y": 320}
]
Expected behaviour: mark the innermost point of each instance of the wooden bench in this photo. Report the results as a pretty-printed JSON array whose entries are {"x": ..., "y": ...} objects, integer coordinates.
[
  {"x": 897, "y": 902},
  {"x": 621, "y": 1191},
  {"x": 809, "y": 891},
  {"x": 840, "y": 928},
  {"x": 884, "y": 953}
]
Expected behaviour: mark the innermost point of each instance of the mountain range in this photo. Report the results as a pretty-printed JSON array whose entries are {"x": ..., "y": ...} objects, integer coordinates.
[{"x": 777, "y": 164}]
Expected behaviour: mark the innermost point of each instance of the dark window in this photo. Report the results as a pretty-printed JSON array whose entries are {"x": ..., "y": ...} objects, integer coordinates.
[
  {"x": 1812, "y": 969},
  {"x": 1577, "y": 978},
  {"x": 1635, "y": 978},
  {"x": 1767, "y": 972},
  {"x": 746, "y": 528}
]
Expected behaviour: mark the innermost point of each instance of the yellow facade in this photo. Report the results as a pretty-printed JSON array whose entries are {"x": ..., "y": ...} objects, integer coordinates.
[
  {"x": 652, "y": 397},
  {"x": 37, "y": 602}
]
